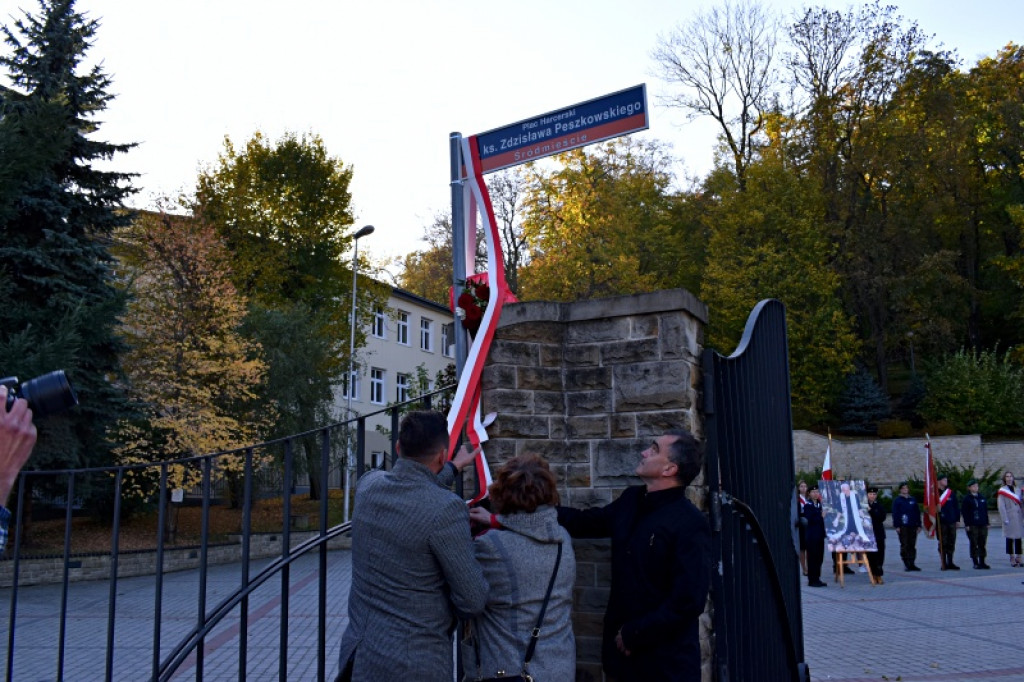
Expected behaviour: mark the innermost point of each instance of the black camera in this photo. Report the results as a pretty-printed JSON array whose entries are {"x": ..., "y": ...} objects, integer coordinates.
[{"x": 47, "y": 394}]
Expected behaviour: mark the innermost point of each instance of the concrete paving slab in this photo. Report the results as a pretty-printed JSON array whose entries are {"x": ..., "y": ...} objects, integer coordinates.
[{"x": 927, "y": 626}]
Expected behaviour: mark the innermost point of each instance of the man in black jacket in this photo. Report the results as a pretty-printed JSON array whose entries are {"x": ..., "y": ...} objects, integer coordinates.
[
  {"x": 976, "y": 522},
  {"x": 815, "y": 535},
  {"x": 661, "y": 566},
  {"x": 876, "y": 560},
  {"x": 906, "y": 519}
]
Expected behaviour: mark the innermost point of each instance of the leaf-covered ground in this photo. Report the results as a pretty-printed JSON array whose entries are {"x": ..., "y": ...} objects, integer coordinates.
[{"x": 139, "y": 533}]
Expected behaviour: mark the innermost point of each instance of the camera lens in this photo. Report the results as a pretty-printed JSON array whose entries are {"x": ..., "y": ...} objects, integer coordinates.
[{"x": 49, "y": 393}]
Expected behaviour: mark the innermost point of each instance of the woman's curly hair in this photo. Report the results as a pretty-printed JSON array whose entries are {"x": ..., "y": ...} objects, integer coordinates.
[{"x": 523, "y": 484}]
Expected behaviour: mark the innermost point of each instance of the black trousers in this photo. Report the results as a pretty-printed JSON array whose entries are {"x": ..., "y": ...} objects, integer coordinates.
[
  {"x": 948, "y": 531},
  {"x": 977, "y": 538},
  {"x": 908, "y": 544},
  {"x": 815, "y": 555},
  {"x": 876, "y": 560}
]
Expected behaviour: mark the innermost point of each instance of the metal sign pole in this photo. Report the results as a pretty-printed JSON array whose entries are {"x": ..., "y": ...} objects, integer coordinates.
[{"x": 458, "y": 249}]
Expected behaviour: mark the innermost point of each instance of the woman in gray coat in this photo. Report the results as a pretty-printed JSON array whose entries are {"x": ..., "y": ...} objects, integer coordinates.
[
  {"x": 1010, "y": 511},
  {"x": 518, "y": 558}
]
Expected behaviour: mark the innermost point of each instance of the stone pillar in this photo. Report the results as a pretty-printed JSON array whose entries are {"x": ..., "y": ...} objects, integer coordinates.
[{"x": 588, "y": 385}]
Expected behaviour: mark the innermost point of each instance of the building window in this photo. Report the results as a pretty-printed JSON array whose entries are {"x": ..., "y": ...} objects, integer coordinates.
[
  {"x": 379, "y": 328},
  {"x": 377, "y": 386},
  {"x": 448, "y": 340},
  {"x": 402, "y": 327},
  {"x": 427, "y": 334},
  {"x": 354, "y": 384},
  {"x": 401, "y": 387},
  {"x": 377, "y": 459}
]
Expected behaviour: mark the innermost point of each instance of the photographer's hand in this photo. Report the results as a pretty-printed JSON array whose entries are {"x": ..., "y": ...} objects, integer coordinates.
[{"x": 17, "y": 438}]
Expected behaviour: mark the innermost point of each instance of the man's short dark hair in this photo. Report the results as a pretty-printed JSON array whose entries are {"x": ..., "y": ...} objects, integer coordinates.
[
  {"x": 686, "y": 453},
  {"x": 422, "y": 433}
]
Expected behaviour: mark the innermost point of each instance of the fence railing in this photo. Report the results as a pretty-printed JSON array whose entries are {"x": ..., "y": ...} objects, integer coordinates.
[{"x": 239, "y": 479}]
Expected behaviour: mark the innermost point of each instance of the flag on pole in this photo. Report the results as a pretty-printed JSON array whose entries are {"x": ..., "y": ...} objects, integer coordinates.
[
  {"x": 931, "y": 490},
  {"x": 826, "y": 468},
  {"x": 466, "y": 411}
]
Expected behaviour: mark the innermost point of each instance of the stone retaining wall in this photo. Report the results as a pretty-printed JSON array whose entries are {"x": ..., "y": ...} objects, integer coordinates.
[
  {"x": 587, "y": 385},
  {"x": 888, "y": 461},
  {"x": 97, "y": 567}
]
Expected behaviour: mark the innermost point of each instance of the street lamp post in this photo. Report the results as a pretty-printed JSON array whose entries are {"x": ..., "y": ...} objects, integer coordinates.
[{"x": 363, "y": 232}]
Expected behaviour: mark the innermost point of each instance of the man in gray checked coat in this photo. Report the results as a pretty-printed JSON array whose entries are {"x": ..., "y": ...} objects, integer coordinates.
[{"x": 413, "y": 567}]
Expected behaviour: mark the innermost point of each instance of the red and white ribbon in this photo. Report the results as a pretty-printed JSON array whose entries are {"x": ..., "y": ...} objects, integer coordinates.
[{"x": 466, "y": 404}]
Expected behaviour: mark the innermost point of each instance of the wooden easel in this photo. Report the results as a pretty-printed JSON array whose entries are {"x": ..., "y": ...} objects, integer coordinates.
[{"x": 859, "y": 559}]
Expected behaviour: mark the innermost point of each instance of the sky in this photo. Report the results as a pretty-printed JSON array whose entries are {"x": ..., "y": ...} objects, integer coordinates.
[{"x": 385, "y": 82}]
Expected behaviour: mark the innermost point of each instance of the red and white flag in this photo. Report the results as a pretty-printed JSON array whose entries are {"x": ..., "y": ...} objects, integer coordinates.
[
  {"x": 466, "y": 409},
  {"x": 931, "y": 490},
  {"x": 826, "y": 468}
]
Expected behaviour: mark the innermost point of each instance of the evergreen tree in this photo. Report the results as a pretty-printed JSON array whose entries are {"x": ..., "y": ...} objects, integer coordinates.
[
  {"x": 862, "y": 403},
  {"x": 57, "y": 212}
]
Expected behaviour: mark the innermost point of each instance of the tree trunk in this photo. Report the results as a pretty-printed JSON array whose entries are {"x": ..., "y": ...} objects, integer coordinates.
[{"x": 313, "y": 467}]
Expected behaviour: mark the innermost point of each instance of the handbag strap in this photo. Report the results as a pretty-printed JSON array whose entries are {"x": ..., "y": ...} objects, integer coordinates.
[{"x": 535, "y": 635}]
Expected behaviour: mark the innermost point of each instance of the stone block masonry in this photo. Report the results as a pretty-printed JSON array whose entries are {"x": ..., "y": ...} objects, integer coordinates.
[
  {"x": 886, "y": 462},
  {"x": 588, "y": 385}
]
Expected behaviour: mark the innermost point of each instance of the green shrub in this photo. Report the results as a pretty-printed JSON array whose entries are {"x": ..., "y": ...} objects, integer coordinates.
[
  {"x": 940, "y": 428},
  {"x": 988, "y": 481},
  {"x": 895, "y": 428},
  {"x": 811, "y": 478},
  {"x": 976, "y": 392}
]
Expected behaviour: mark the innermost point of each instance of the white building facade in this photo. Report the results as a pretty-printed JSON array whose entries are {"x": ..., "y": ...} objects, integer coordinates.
[{"x": 409, "y": 337}]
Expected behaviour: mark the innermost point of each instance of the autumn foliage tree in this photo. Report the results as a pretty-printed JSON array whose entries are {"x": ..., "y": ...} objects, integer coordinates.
[
  {"x": 197, "y": 376},
  {"x": 283, "y": 210},
  {"x": 598, "y": 224},
  {"x": 428, "y": 272},
  {"x": 766, "y": 243}
]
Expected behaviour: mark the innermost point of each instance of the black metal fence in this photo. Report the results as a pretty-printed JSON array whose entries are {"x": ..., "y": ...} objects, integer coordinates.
[
  {"x": 748, "y": 424},
  {"x": 242, "y": 477}
]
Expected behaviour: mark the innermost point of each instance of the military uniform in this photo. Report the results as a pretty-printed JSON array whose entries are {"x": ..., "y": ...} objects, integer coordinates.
[
  {"x": 876, "y": 560},
  {"x": 949, "y": 514},
  {"x": 906, "y": 517},
  {"x": 975, "y": 515}
]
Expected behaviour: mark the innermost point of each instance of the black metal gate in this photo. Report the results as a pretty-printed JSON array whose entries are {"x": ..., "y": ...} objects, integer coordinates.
[
  {"x": 748, "y": 426},
  {"x": 177, "y": 646}
]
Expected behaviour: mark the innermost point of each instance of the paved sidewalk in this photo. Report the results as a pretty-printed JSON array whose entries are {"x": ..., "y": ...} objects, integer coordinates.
[
  {"x": 37, "y": 625},
  {"x": 929, "y": 626}
]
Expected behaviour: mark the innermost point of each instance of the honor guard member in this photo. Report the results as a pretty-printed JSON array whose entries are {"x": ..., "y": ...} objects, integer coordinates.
[
  {"x": 975, "y": 514},
  {"x": 949, "y": 515},
  {"x": 906, "y": 518},
  {"x": 815, "y": 536},
  {"x": 876, "y": 560}
]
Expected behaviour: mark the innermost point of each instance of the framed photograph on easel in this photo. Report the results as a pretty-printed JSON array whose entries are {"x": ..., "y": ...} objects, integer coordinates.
[{"x": 847, "y": 523}]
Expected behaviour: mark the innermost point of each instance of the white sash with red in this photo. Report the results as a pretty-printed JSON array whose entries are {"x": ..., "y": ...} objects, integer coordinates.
[
  {"x": 1010, "y": 495},
  {"x": 944, "y": 497}
]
